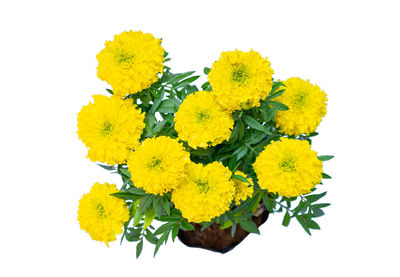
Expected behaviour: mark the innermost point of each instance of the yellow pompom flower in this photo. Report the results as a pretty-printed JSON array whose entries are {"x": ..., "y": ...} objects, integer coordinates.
[
  {"x": 131, "y": 62},
  {"x": 102, "y": 215},
  {"x": 239, "y": 80},
  {"x": 288, "y": 167},
  {"x": 110, "y": 127},
  {"x": 158, "y": 165},
  {"x": 201, "y": 122},
  {"x": 206, "y": 193},
  {"x": 307, "y": 106},
  {"x": 243, "y": 190}
]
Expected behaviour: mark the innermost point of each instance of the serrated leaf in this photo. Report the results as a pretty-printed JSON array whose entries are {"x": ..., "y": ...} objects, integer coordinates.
[
  {"x": 313, "y": 225},
  {"x": 163, "y": 228},
  {"x": 157, "y": 203},
  {"x": 150, "y": 237},
  {"x": 321, "y": 205},
  {"x": 325, "y": 158},
  {"x": 185, "y": 82}
]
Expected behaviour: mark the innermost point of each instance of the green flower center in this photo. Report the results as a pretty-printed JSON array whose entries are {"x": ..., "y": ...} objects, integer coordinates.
[
  {"x": 107, "y": 128},
  {"x": 155, "y": 164},
  {"x": 125, "y": 58},
  {"x": 239, "y": 74},
  {"x": 288, "y": 165},
  {"x": 203, "y": 116},
  {"x": 203, "y": 186},
  {"x": 299, "y": 100},
  {"x": 101, "y": 210}
]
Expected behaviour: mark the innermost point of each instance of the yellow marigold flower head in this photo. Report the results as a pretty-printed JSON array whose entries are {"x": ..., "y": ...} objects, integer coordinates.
[
  {"x": 206, "y": 193},
  {"x": 201, "y": 122},
  {"x": 307, "y": 106},
  {"x": 102, "y": 215},
  {"x": 288, "y": 167},
  {"x": 131, "y": 62},
  {"x": 110, "y": 127},
  {"x": 239, "y": 80},
  {"x": 158, "y": 165},
  {"x": 243, "y": 190}
]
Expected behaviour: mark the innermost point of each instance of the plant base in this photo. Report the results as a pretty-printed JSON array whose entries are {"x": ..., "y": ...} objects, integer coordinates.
[{"x": 215, "y": 239}]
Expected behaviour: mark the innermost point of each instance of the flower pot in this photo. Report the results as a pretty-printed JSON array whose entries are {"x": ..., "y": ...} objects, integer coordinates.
[{"x": 220, "y": 240}]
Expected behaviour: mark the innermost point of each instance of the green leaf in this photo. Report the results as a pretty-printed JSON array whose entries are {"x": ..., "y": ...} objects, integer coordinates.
[
  {"x": 321, "y": 205},
  {"x": 286, "y": 219},
  {"x": 249, "y": 226},
  {"x": 150, "y": 237},
  {"x": 326, "y": 176},
  {"x": 109, "y": 91},
  {"x": 145, "y": 202},
  {"x": 175, "y": 232},
  {"x": 133, "y": 234},
  {"x": 187, "y": 226},
  {"x": 316, "y": 212},
  {"x": 157, "y": 203},
  {"x": 268, "y": 203},
  {"x": 108, "y": 167},
  {"x": 207, "y": 70},
  {"x": 325, "y": 158},
  {"x": 166, "y": 205},
  {"x": 125, "y": 195},
  {"x": 241, "y": 178},
  {"x": 163, "y": 228},
  {"x": 174, "y": 78},
  {"x": 136, "y": 219},
  {"x": 279, "y": 105},
  {"x": 137, "y": 191},
  {"x": 303, "y": 222},
  {"x": 149, "y": 215},
  {"x": 203, "y": 151},
  {"x": 315, "y": 197},
  {"x": 254, "y": 202},
  {"x": 233, "y": 230},
  {"x": 275, "y": 94},
  {"x": 159, "y": 243},
  {"x": 169, "y": 106},
  {"x": 185, "y": 82},
  {"x": 139, "y": 248},
  {"x": 255, "y": 124},
  {"x": 313, "y": 225}
]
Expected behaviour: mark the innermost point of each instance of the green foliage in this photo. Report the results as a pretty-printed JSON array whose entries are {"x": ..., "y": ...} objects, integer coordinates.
[{"x": 253, "y": 130}]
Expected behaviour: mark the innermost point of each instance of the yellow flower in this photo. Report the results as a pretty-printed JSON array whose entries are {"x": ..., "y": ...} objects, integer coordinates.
[
  {"x": 110, "y": 127},
  {"x": 242, "y": 189},
  {"x": 240, "y": 80},
  {"x": 131, "y": 62},
  {"x": 102, "y": 215},
  {"x": 158, "y": 165},
  {"x": 201, "y": 122},
  {"x": 288, "y": 167},
  {"x": 206, "y": 193},
  {"x": 307, "y": 106}
]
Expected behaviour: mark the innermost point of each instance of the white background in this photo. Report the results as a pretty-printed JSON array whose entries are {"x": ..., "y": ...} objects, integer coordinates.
[{"x": 48, "y": 71}]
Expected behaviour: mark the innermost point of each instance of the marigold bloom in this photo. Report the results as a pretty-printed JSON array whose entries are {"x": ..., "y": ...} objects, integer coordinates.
[
  {"x": 307, "y": 106},
  {"x": 207, "y": 192},
  {"x": 239, "y": 80},
  {"x": 288, "y": 167},
  {"x": 243, "y": 190},
  {"x": 158, "y": 165},
  {"x": 102, "y": 215},
  {"x": 131, "y": 62},
  {"x": 110, "y": 127},
  {"x": 201, "y": 122}
]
